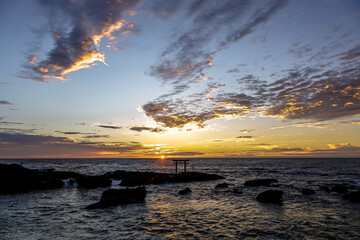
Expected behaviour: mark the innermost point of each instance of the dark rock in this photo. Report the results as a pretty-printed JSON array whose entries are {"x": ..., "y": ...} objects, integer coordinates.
[
  {"x": 17, "y": 179},
  {"x": 339, "y": 188},
  {"x": 114, "y": 197},
  {"x": 307, "y": 191},
  {"x": 222, "y": 185},
  {"x": 93, "y": 181},
  {"x": 352, "y": 197},
  {"x": 325, "y": 188},
  {"x": 260, "y": 182},
  {"x": 270, "y": 196},
  {"x": 185, "y": 191}
]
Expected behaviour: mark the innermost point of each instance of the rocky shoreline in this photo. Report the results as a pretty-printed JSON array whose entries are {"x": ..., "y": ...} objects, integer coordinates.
[{"x": 16, "y": 179}]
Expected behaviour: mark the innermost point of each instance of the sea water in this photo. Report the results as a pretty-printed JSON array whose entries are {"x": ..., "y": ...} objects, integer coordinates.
[{"x": 206, "y": 213}]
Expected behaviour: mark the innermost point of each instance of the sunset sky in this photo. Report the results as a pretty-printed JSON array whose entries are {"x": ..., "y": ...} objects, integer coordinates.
[{"x": 174, "y": 78}]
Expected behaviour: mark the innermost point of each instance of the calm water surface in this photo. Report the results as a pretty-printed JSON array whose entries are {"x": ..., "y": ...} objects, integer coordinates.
[{"x": 204, "y": 214}]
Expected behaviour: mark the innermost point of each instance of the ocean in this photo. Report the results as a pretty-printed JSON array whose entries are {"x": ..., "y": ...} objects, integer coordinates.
[{"x": 206, "y": 213}]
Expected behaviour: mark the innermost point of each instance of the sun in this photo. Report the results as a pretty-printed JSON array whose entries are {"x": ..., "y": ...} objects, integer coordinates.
[{"x": 162, "y": 157}]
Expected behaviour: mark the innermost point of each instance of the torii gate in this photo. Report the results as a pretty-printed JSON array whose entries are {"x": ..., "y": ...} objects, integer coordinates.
[{"x": 176, "y": 163}]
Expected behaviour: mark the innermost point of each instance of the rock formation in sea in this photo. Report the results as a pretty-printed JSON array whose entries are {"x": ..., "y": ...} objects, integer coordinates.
[
  {"x": 307, "y": 191},
  {"x": 185, "y": 191},
  {"x": 17, "y": 179},
  {"x": 114, "y": 197},
  {"x": 222, "y": 185},
  {"x": 270, "y": 196},
  {"x": 353, "y": 197}
]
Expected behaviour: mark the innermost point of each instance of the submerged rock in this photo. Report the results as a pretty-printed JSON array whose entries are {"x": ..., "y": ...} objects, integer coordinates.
[
  {"x": 260, "y": 182},
  {"x": 114, "y": 197},
  {"x": 339, "y": 188},
  {"x": 325, "y": 188},
  {"x": 307, "y": 191},
  {"x": 352, "y": 197},
  {"x": 185, "y": 191},
  {"x": 222, "y": 185},
  {"x": 270, "y": 196}
]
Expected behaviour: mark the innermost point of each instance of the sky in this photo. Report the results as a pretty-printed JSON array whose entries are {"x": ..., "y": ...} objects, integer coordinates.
[{"x": 173, "y": 78}]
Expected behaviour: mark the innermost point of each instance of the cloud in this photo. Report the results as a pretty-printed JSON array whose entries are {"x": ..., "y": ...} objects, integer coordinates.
[
  {"x": 244, "y": 137},
  {"x": 10, "y": 139},
  {"x": 246, "y": 130},
  {"x": 77, "y": 28},
  {"x": 5, "y": 103},
  {"x": 109, "y": 126},
  {"x": 163, "y": 9},
  {"x": 187, "y": 57},
  {"x": 49, "y": 146},
  {"x": 184, "y": 154},
  {"x": 351, "y": 53},
  {"x": 234, "y": 70},
  {"x": 10, "y": 123},
  {"x": 344, "y": 147},
  {"x": 69, "y": 133},
  {"x": 140, "y": 129},
  {"x": 4, "y": 83},
  {"x": 97, "y": 136},
  {"x": 287, "y": 149},
  {"x": 318, "y": 124}
]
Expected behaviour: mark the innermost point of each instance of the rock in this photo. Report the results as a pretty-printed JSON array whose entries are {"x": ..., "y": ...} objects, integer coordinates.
[
  {"x": 222, "y": 185},
  {"x": 307, "y": 191},
  {"x": 93, "y": 181},
  {"x": 270, "y": 196},
  {"x": 352, "y": 197},
  {"x": 236, "y": 191},
  {"x": 339, "y": 188},
  {"x": 325, "y": 188},
  {"x": 114, "y": 197},
  {"x": 185, "y": 191},
  {"x": 17, "y": 179},
  {"x": 260, "y": 182}
]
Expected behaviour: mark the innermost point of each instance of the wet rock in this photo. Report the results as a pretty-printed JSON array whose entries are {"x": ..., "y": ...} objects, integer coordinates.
[
  {"x": 114, "y": 197},
  {"x": 236, "y": 191},
  {"x": 222, "y": 185},
  {"x": 307, "y": 191},
  {"x": 353, "y": 197},
  {"x": 93, "y": 181},
  {"x": 270, "y": 196},
  {"x": 17, "y": 179},
  {"x": 260, "y": 182},
  {"x": 339, "y": 188},
  {"x": 325, "y": 188},
  {"x": 185, "y": 191}
]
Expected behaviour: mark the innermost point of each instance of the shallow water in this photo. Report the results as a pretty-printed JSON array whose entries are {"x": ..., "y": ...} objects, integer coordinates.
[{"x": 204, "y": 214}]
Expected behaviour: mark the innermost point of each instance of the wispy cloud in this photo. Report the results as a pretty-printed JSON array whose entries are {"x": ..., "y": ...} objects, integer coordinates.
[
  {"x": 2, "y": 102},
  {"x": 109, "y": 126},
  {"x": 319, "y": 124},
  {"x": 150, "y": 129},
  {"x": 244, "y": 137}
]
